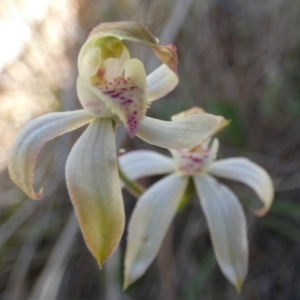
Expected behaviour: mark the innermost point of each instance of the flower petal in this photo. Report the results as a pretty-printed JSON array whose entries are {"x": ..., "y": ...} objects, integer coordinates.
[
  {"x": 180, "y": 134},
  {"x": 227, "y": 226},
  {"x": 31, "y": 140},
  {"x": 160, "y": 82},
  {"x": 135, "y": 70},
  {"x": 127, "y": 96},
  {"x": 115, "y": 66},
  {"x": 142, "y": 163},
  {"x": 243, "y": 170},
  {"x": 90, "y": 100},
  {"x": 196, "y": 110},
  {"x": 126, "y": 30},
  {"x": 149, "y": 223},
  {"x": 94, "y": 187},
  {"x": 168, "y": 55},
  {"x": 90, "y": 62},
  {"x": 132, "y": 31},
  {"x": 195, "y": 161},
  {"x": 105, "y": 58}
]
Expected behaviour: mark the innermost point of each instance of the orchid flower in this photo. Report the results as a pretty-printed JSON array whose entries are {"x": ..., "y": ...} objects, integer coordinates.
[
  {"x": 113, "y": 89},
  {"x": 156, "y": 208}
]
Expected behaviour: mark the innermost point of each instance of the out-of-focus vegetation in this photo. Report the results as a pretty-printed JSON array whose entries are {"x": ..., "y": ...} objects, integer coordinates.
[{"x": 237, "y": 58}]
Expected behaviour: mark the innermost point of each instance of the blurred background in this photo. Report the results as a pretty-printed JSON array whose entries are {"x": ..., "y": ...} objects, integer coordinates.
[{"x": 237, "y": 58}]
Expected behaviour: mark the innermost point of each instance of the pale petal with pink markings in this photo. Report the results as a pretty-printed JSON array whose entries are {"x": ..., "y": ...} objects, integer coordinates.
[{"x": 126, "y": 96}]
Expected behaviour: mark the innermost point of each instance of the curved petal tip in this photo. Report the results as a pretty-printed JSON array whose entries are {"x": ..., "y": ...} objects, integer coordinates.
[
  {"x": 32, "y": 139},
  {"x": 238, "y": 286},
  {"x": 261, "y": 212},
  {"x": 94, "y": 188},
  {"x": 40, "y": 194}
]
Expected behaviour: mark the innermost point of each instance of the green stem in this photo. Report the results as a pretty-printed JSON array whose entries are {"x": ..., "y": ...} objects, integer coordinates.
[{"x": 135, "y": 189}]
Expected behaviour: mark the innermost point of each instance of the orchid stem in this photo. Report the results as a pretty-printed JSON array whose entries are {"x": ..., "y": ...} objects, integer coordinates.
[{"x": 135, "y": 189}]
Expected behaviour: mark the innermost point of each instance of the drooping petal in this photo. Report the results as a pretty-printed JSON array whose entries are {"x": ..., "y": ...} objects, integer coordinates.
[
  {"x": 243, "y": 170},
  {"x": 142, "y": 163},
  {"x": 94, "y": 187},
  {"x": 180, "y": 134},
  {"x": 227, "y": 226},
  {"x": 127, "y": 96},
  {"x": 31, "y": 140},
  {"x": 149, "y": 223},
  {"x": 91, "y": 102},
  {"x": 160, "y": 82}
]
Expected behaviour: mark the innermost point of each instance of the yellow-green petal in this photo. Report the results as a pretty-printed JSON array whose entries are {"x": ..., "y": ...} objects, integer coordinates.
[
  {"x": 136, "y": 32},
  {"x": 127, "y": 30},
  {"x": 94, "y": 187},
  {"x": 31, "y": 140}
]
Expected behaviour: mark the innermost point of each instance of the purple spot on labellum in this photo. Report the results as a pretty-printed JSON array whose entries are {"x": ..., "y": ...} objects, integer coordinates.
[
  {"x": 116, "y": 95},
  {"x": 196, "y": 159},
  {"x": 109, "y": 92}
]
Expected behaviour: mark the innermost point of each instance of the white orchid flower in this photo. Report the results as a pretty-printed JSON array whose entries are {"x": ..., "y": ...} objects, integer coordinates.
[
  {"x": 156, "y": 208},
  {"x": 113, "y": 89}
]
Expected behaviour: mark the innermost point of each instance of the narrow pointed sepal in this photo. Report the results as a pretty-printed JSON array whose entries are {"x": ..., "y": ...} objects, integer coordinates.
[
  {"x": 238, "y": 286},
  {"x": 227, "y": 227},
  {"x": 30, "y": 141},
  {"x": 94, "y": 187},
  {"x": 149, "y": 223}
]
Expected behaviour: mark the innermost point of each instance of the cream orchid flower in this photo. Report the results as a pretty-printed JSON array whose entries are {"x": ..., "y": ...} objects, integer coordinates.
[
  {"x": 156, "y": 208},
  {"x": 113, "y": 89}
]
